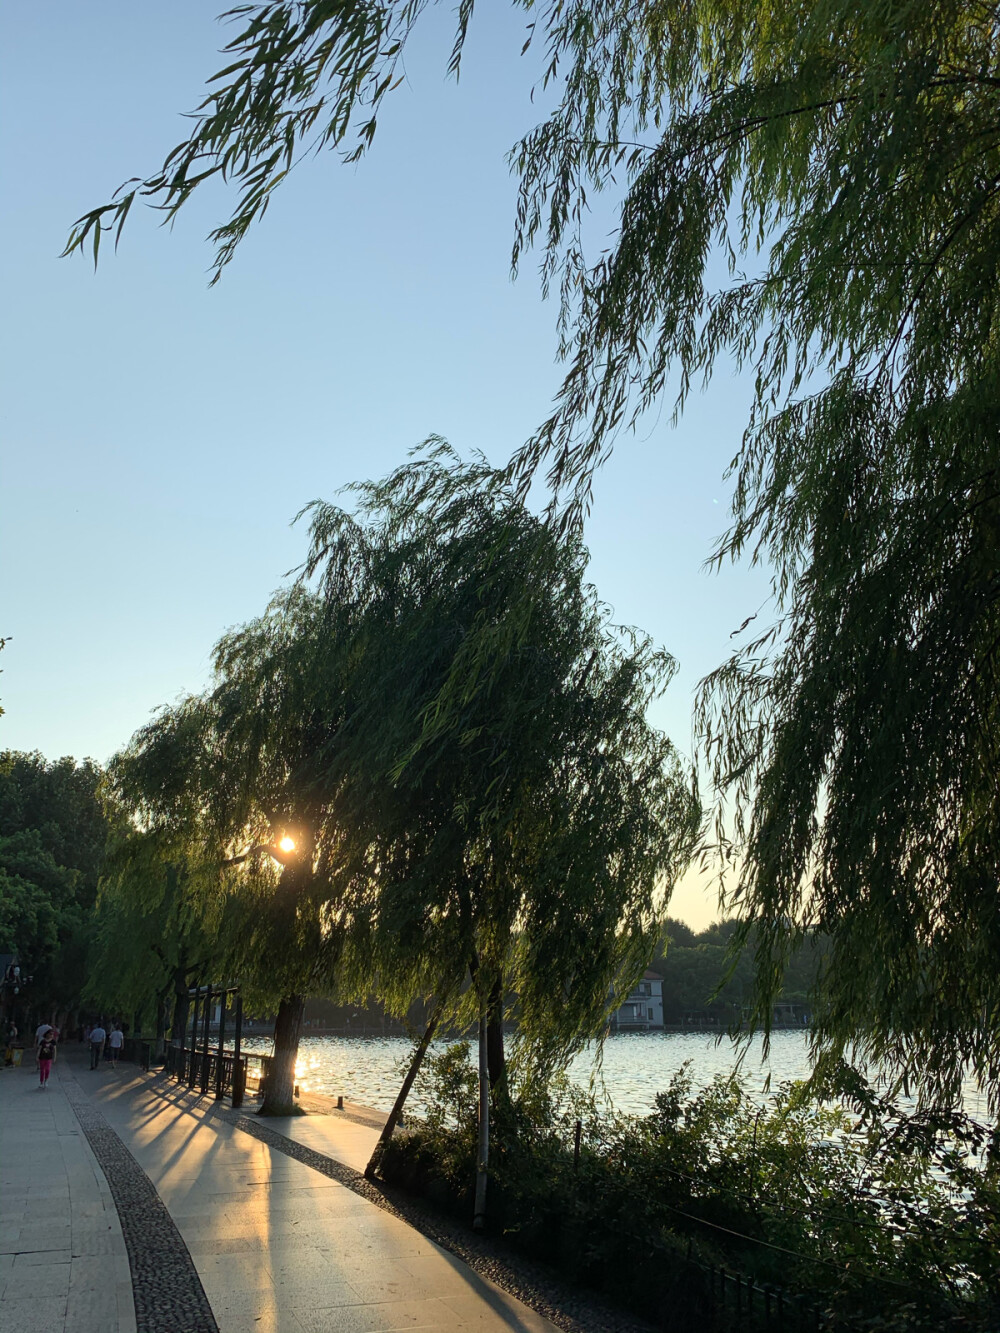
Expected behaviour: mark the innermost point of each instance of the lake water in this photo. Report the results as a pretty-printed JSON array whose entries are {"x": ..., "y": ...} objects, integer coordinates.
[{"x": 636, "y": 1066}]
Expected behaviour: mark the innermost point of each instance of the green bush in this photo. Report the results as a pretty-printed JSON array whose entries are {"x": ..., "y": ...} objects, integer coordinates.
[{"x": 883, "y": 1219}]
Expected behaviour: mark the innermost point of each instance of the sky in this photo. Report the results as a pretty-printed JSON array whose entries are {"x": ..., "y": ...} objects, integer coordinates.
[{"x": 159, "y": 435}]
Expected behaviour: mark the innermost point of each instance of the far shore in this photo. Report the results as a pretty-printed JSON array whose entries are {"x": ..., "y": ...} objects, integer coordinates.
[{"x": 672, "y": 1029}]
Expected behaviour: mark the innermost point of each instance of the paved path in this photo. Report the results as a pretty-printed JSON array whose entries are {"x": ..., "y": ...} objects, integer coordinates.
[
  {"x": 333, "y": 1136},
  {"x": 277, "y": 1246},
  {"x": 63, "y": 1265}
]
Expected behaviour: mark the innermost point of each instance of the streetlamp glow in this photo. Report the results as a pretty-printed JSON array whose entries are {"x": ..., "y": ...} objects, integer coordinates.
[{"x": 287, "y": 844}]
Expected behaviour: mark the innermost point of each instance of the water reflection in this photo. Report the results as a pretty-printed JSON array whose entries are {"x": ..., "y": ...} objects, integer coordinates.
[{"x": 636, "y": 1066}]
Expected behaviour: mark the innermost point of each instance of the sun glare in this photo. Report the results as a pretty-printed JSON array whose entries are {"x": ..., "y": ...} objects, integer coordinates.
[{"x": 287, "y": 844}]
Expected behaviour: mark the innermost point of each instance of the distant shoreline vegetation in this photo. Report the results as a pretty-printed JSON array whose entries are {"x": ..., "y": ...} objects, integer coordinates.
[
  {"x": 697, "y": 989},
  {"x": 696, "y": 994}
]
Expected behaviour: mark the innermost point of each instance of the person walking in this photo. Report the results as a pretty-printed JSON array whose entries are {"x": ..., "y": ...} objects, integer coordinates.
[
  {"x": 46, "y": 1057},
  {"x": 97, "y": 1039},
  {"x": 116, "y": 1040},
  {"x": 41, "y": 1032}
]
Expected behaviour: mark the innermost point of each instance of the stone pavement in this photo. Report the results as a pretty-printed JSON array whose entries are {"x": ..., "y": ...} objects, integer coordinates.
[
  {"x": 345, "y": 1140},
  {"x": 63, "y": 1265},
  {"x": 277, "y": 1246}
]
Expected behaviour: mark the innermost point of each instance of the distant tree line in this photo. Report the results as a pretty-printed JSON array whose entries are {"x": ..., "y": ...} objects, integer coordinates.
[
  {"x": 52, "y": 837},
  {"x": 704, "y": 981}
]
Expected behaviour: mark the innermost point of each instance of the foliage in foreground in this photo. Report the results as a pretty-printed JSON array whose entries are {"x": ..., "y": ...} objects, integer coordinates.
[{"x": 882, "y": 1219}]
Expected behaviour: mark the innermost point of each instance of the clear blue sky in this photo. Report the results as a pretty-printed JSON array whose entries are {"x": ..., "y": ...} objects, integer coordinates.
[{"x": 159, "y": 436}]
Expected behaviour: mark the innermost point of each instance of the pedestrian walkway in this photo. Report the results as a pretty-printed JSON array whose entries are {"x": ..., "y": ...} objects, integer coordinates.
[
  {"x": 63, "y": 1265},
  {"x": 344, "y": 1140},
  {"x": 277, "y": 1246}
]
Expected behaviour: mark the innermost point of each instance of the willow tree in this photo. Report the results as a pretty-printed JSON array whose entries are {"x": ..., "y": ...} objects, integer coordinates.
[
  {"x": 154, "y": 930},
  {"x": 509, "y": 816},
  {"x": 844, "y": 159},
  {"x": 228, "y": 776},
  {"x": 441, "y": 718}
]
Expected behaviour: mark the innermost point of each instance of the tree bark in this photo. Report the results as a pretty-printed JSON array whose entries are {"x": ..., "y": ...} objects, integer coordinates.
[
  {"x": 483, "y": 1154},
  {"x": 162, "y": 1000},
  {"x": 279, "y": 1091},
  {"x": 496, "y": 1057},
  {"x": 397, "y": 1109},
  {"x": 178, "y": 1027}
]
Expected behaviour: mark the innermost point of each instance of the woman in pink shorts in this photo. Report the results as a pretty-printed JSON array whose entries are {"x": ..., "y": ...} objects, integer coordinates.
[{"x": 46, "y": 1055}]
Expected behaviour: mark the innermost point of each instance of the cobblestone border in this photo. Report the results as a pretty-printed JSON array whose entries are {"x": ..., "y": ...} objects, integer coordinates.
[
  {"x": 166, "y": 1288},
  {"x": 536, "y": 1286}
]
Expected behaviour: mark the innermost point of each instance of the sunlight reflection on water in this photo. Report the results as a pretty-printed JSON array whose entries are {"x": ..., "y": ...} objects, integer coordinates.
[{"x": 637, "y": 1065}]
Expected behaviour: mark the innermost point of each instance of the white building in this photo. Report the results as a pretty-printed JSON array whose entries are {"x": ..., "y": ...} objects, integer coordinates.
[{"x": 644, "y": 1007}]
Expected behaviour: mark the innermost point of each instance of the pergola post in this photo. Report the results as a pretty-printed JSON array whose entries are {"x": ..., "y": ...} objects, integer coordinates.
[
  {"x": 239, "y": 1082},
  {"x": 204, "y": 1056},
  {"x": 220, "y": 1068},
  {"x": 194, "y": 1038}
]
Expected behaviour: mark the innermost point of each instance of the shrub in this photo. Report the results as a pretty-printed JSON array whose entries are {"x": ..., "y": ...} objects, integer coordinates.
[{"x": 884, "y": 1219}]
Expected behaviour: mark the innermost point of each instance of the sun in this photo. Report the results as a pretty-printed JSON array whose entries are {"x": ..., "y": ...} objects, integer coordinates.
[{"x": 287, "y": 844}]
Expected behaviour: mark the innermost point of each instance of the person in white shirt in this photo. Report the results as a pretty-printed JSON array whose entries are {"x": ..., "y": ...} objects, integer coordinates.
[
  {"x": 116, "y": 1040},
  {"x": 97, "y": 1038}
]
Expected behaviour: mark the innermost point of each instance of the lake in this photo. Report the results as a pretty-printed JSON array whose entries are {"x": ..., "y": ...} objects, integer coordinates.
[{"x": 637, "y": 1065}]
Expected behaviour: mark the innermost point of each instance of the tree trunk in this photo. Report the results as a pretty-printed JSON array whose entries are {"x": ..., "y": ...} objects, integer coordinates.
[
  {"x": 483, "y": 1154},
  {"x": 279, "y": 1091},
  {"x": 496, "y": 1057},
  {"x": 162, "y": 1001},
  {"x": 178, "y": 1027},
  {"x": 397, "y": 1109}
]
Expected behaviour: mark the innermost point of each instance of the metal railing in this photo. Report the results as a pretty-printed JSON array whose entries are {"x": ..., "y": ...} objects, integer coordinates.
[
  {"x": 202, "y": 1059},
  {"x": 747, "y": 1303},
  {"x": 219, "y": 1073}
]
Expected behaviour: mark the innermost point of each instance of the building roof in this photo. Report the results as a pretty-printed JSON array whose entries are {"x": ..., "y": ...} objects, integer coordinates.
[{"x": 651, "y": 976}]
